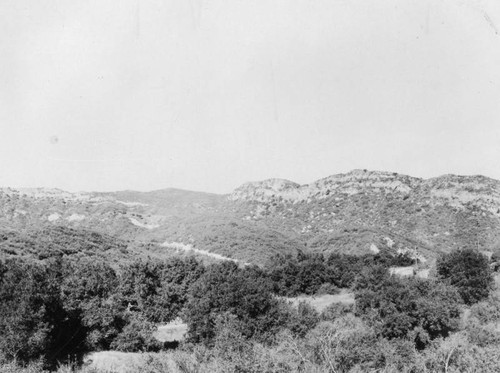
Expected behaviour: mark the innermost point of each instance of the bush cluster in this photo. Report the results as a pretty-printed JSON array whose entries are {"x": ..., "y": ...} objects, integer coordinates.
[
  {"x": 58, "y": 309},
  {"x": 307, "y": 273}
]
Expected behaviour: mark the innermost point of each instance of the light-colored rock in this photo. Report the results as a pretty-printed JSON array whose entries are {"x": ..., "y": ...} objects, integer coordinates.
[
  {"x": 53, "y": 217},
  {"x": 374, "y": 249},
  {"x": 75, "y": 217},
  {"x": 137, "y": 223}
]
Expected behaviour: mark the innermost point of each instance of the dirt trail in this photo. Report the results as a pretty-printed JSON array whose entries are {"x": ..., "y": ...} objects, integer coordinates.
[{"x": 179, "y": 246}]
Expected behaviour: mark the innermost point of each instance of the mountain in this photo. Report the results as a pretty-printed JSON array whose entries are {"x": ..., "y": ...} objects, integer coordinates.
[{"x": 357, "y": 212}]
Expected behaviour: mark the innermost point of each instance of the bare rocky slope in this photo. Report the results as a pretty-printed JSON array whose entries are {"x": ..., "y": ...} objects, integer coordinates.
[{"x": 356, "y": 212}]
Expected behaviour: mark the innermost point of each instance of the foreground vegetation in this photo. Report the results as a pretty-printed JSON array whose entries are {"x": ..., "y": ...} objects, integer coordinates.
[{"x": 54, "y": 312}]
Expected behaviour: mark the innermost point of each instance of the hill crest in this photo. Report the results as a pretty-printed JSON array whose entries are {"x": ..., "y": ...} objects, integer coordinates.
[{"x": 351, "y": 212}]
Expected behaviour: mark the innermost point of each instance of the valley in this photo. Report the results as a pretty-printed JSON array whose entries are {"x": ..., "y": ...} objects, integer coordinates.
[
  {"x": 358, "y": 271},
  {"x": 350, "y": 213}
]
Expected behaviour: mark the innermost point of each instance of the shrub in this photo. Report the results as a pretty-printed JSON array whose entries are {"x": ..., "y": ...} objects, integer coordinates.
[
  {"x": 410, "y": 308},
  {"x": 488, "y": 310},
  {"x": 328, "y": 288},
  {"x": 343, "y": 344},
  {"x": 400, "y": 356},
  {"x": 136, "y": 336},
  {"x": 482, "y": 335},
  {"x": 342, "y": 269},
  {"x": 33, "y": 322},
  {"x": 13, "y": 366},
  {"x": 372, "y": 278},
  {"x": 455, "y": 354},
  {"x": 224, "y": 288},
  {"x": 158, "y": 290},
  {"x": 303, "y": 319},
  {"x": 88, "y": 292},
  {"x": 336, "y": 310},
  {"x": 469, "y": 271}
]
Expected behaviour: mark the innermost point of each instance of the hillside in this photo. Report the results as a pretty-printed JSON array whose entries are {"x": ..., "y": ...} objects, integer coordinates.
[{"x": 356, "y": 212}]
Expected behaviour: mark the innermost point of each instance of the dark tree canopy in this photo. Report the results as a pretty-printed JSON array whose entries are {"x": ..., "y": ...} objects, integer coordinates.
[
  {"x": 88, "y": 292},
  {"x": 33, "y": 321},
  {"x": 410, "y": 308},
  {"x": 224, "y": 288},
  {"x": 469, "y": 271}
]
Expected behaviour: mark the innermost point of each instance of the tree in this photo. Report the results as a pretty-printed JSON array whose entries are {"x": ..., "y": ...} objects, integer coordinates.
[
  {"x": 136, "y": 336},
  {"x": 177, "y": 277},
  {"x": 33, "y": 321},
  {"x": 418, "y": 309},
  {"x": 303, "y": 274},
  {"x": 158, "y": 290},
  {"x": 283, "y": 270},
  {"x": 342, "y": 269},
  {"x": 139, "y": 283},
  {"x": 225, "y": 288},
  {"x": 88, "y": 292},
  {"x": 312, "y": 273},
  {"x": 469, "y": 271}
]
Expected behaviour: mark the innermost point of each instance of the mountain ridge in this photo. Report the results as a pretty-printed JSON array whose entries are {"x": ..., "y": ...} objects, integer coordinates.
[
  {"x": 352, "y": 212},
  {"x": 354, "y": 173}
]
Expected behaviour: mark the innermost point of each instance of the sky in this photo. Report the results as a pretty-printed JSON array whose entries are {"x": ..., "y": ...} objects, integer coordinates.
[{"x": 208, "y": 94}]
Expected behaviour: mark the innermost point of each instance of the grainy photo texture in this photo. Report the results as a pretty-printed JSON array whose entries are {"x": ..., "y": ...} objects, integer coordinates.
[{"x": 264, "y": 186}]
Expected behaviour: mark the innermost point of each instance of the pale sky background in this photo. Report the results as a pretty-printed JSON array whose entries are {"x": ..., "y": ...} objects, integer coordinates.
[{"x": 208, "y": 94}]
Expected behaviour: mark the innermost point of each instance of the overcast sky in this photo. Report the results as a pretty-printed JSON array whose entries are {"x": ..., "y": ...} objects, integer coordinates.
[{"x": 208, "y": 94}]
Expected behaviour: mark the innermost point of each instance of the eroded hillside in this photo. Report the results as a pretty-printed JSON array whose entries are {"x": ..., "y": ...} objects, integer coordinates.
[{"x": 356, "y": 212}]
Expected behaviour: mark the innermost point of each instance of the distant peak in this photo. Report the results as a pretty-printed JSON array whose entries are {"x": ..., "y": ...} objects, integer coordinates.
[
  {"x": 352, "y": 182},
  {"x": 455, "y": 177},
  {"x": 366, "y": 172},
  {"x": 263, "y": 190},
  {"x": 272, "y": 184}
]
